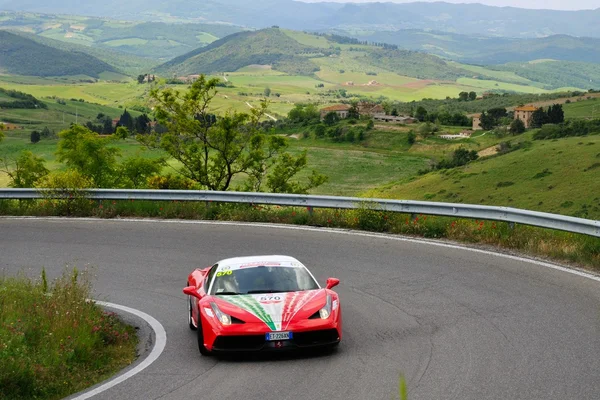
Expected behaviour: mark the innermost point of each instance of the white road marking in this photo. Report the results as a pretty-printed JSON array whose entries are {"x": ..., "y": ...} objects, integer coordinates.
[
  {"x": 159, "y": 345},
  {"x": 570, "y": 270}
]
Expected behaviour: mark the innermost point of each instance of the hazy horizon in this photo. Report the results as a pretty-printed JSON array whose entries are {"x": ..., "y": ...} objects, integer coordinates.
[{"x": 572, "y": 5}]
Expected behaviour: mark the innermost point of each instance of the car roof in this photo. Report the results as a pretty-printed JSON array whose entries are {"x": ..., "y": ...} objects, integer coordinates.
[{"x": 261, "y": 260}]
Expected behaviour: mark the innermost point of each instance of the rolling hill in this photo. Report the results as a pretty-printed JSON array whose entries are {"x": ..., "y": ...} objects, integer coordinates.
[
  {"x": 22, "y": 56},
  {"x": 265, "y": 47},
  {"x": 321, "y": 55}
]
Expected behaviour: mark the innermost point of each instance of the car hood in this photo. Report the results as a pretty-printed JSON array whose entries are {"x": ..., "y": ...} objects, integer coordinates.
[{"x": 276, "y": 310}]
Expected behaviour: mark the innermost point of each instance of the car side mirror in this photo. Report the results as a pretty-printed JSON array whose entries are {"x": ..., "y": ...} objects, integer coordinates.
[
  {"x": 331, "y": 282},
  {"x": 192, "y": 291}
]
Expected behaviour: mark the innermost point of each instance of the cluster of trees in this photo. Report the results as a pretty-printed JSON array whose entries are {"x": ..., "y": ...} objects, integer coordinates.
[
  {"x": 442, "y": 117},
  {"x": 104, "y": 124},
  {"x": 493, "y": 117},
  {"x": 22, "y": 100},
  {"x": 45, "y": 133},
  {"x": 461, "y": 156},
  {"x": 554, "y": 115},
  {"x": 467, "y": 96},
  {"x": 568, "y": 128},
  {"x": 341, "y": 133}
]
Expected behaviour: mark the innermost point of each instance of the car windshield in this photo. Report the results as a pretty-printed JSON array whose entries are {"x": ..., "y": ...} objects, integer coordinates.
[{"x": 262, "y": 279}]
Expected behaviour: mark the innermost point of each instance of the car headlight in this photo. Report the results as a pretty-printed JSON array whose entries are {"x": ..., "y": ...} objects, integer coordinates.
[
  {"x": 225, "y": 319},
  {"x": 325, "y": 312}
]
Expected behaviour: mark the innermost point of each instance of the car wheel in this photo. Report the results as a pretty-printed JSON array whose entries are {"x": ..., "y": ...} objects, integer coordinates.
[
  {"x": 203, "y": 350},
  {"x": 190, "y": 320}
]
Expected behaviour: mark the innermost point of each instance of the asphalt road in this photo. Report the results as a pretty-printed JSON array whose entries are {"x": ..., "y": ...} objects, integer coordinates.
[{"x": 456, "y": 324}]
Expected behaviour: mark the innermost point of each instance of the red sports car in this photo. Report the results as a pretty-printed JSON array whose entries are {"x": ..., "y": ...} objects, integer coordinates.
[{"x": 262, "y": 303}]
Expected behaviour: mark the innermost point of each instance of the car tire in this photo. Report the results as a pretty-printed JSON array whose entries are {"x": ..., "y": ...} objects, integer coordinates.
[
  {"x": 190, "y": 321},
  {"x": 203, "y": 350}
]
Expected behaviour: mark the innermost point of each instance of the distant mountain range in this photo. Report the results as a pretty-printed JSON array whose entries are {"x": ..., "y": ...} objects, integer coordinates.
[
  {"x": 23, "y": 56},
  {"x": 471, "y": 19}
]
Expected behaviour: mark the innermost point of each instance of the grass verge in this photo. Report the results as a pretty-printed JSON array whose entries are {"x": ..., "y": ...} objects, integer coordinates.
[
  {"x": 53, "y": 342},
  {"x": 578, "y": 250}
]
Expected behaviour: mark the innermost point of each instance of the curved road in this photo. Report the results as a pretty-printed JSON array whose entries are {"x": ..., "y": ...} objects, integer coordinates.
[{"x": 457, "y": 324}]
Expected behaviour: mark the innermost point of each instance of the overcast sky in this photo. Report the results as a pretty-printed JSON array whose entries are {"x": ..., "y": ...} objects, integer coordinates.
[{"x": 547, "y": 4}]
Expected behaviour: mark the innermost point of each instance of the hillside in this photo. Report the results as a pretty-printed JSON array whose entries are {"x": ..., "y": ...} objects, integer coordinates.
[
  {"x": 154, "y": 40},
  {"x": 128, "y": 64},
  {"x": 264, "y": 47},
  {"x": 557, "y": 176},
  {"x": 478, "y": 49},
  {"x": 22, "y": 56},
  {"x": 473, "y": 19}
]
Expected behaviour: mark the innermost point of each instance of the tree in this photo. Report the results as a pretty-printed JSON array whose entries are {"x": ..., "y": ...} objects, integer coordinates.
[
  {"x": 28, "y": 170},
  {"x": 126, "y": 120},
  {"x": 35, "y": 136},
  {"x": 267, "y": 92},
  {"x": 487, "y": 121},
  {"x": 421, "y": 113},
  {"x": 463, "y": 96},
  {"x": 89, "y": 154},
  {"x": 472, "y": 96},
  {"x": 136, "y": 171},
  {"x": 538, "y": 118},
  {"x": 412, "y": 138},
  {"x": 46, "y": 133},
  {"x": 353, "y": 112},
  {"x": 331, "y": 118},
  {"x": 142, "y": 124},
  {"x": 556, "y": 114},
  {"x": 286, "y": 167},
  {"x": 517, "y": 126},
  {"x": 140, "y": 78},
  {"x": 213, "y": 154}
]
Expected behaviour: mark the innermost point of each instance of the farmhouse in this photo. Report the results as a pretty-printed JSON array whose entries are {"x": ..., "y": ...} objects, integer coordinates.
[
  {"x": 370, "y": 109},
  {"x": 8, "y": 126},
  {"x": 524, "y": 114},
  {"x": 340, "y": 109}
]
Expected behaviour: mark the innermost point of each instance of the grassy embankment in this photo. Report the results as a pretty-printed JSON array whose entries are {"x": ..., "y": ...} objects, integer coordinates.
[{"x": 53, "y": 342}]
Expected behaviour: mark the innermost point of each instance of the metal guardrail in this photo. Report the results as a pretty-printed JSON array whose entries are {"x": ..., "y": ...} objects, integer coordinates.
[{"x": 505, "y": 214}]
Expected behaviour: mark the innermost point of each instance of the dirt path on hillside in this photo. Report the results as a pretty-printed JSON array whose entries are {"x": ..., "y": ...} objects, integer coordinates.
[{"x": 490, "y": 151}]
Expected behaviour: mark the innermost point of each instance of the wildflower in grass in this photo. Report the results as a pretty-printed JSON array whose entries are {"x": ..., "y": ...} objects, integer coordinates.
[
  {"x": 100, "y": 206},
  {"x": 293, "y": 213}
]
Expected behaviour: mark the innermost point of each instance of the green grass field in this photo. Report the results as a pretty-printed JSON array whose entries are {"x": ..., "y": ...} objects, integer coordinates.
[
  {"x": 583, "y": 109},
  {"x": 558, "y": 176}
]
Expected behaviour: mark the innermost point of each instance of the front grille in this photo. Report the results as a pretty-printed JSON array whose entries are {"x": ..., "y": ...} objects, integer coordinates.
[
  {"x": 241, "y": 342},
  {"x": 313, "y": 338}
]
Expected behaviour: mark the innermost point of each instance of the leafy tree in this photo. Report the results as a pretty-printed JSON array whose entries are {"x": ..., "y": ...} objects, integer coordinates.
[
  {"x": 46, "y": 133},
  {"x": 497, "y": 113},
  {"x": 370, "y": 125},
  {"x": 394, "y": 112},
  {"x": 287, "y": 166},
  {"x": 412, "y": 137},
  {"x": 320, "y": 131},
  {"x": 28, "y": 170},
  {"x": 212, "y": 154},
  {"x": 517, "y": 126},
  {"x": 267, "y": 92},
  {"x": 35, "y": 136},
  {"x": 171, "y": 182},
  {"x": 140, "y": 78},
  {"x": 472, "y": 96},
  {"x": 463, "y": 96},
  {"x": 89, "y": 154},
  {"x": 421, "y": 113},
  {"x": 556, "y": 114},
  {"x": 538, "y": 118},
  {"x": 136, "y": 171},
  {"x": 353, "y": 112},
  {"x": 487, "y": 121},
  {"x": 331, "y": 118},
  {"x": 304, "y": 114}
]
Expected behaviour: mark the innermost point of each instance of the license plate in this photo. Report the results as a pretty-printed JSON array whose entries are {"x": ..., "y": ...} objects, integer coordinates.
[{"x": 278, "y": 336}]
